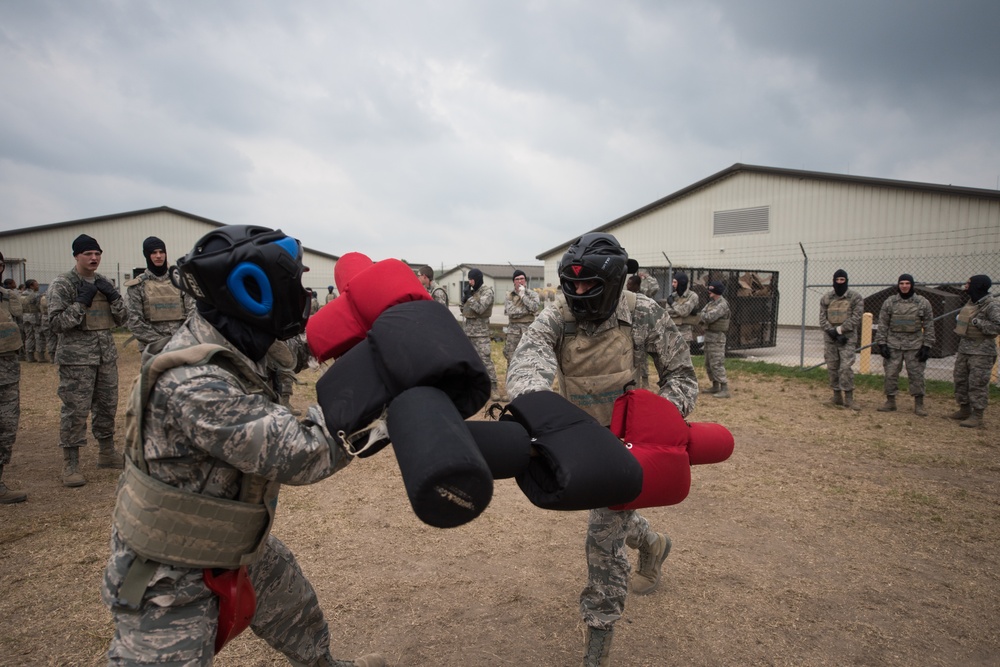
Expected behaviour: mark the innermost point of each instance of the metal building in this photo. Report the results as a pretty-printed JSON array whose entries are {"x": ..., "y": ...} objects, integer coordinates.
[
  {"x": 806, "y": 224},
  {"x": 45, "y": 251}
]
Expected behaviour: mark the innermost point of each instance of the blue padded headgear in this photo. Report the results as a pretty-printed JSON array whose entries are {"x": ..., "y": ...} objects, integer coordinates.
[{"x": 253, "y": 274}]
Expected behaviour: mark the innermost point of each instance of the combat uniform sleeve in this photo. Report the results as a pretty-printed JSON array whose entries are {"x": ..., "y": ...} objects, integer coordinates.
[
  {"x": 479, "y": 302},
  {"x": 135, "y": 297},
  {"x": 507, "y": 303},
  {"x": 926, "y": 321},
  {"x": 531, "y": 301},
  {"x": 683, "y": 309},
  {"x": 884, "y": 313},
  {"x": 118, "y": 312},
  {"x": 853, "y": 322},
  {"x": 989, "y": 318},
  {"x": 824, "y": 306},
  {"x": 65, "y": 314},
  {"x": 671, "y": 355},
  {"x": 249, "y": 431},
  {"x": 534, "y": 365}
]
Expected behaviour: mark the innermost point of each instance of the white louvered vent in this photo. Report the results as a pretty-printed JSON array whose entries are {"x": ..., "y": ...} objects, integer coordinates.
[{"x": 741, "y": 221}]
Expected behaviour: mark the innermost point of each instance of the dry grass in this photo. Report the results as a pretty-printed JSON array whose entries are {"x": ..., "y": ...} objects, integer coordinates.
[{"x": 829, "y": 538}]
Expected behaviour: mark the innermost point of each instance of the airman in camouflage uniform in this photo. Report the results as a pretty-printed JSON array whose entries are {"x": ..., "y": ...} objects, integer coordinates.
[
  {"x": 648, "y": 285},
  {"x": 83, "y": 308},
  {"x": 840, "y": 313},
  {"x": 426, "y": 276},
  {"x": 34, "y": 341},
  {"x": 905, "y": 334},
  {"x": 208, "y": 427},
  {"x": 51, "y": 337},
  {"x": 477, "y": 310},
  {"x": 594, "y": 339},
  {"x": 977, "y": 325},
  {"x": 331, "y": 294},
  {"x": 156, "y": 309},
  {"x": 682, "y": 306},
  {"x": 714, "y": 317},
  {"x": 10, "y": 385},
  {"x": 520, "y": 306}
]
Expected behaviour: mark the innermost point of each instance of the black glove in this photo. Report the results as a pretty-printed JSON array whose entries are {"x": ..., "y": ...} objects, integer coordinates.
[
  {"x": 841, "y": 340},
  {"x": 107, "y": 289},
  {"x": 85, "y": 293},
  {"x": 883, "y": 349},
  {"x": 670, "y": 299},
  {"x": 832, "y": 333},
  {"x": 923, "y": 354}
]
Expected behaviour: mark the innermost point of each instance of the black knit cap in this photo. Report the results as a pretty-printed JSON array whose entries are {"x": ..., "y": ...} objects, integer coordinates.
[
  {"x": 519, "y": 272},
  {"x": 717, "y": 288},
  {"x": 84, "y": 243}
]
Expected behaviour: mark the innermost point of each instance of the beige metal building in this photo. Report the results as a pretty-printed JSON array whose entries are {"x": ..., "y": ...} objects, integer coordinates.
[
  {"x": 807, "y": 224},
  {"x": 45, "y": 251}
]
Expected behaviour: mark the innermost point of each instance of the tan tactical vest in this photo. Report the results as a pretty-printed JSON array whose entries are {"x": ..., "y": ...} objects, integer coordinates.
[
  {"x": 10, "y": 335},
  {"x": 164, "y": 302},
  {"x": 168, "y": 525},
  {"x": 685, "y": 319},
  {"x": 30, "y": 306},
  {"x": 526, "y": 318},
  {"x": 98, "y": 316},
  {"x": 839, "y": 311},
  {"x": 721, "y": 325},
  {"x": 905, "y": 315},
  {"x": 964, "y": 326},
  {"x": 596, "y": 369}
]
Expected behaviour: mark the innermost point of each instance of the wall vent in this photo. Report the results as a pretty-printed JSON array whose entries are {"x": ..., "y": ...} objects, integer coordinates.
[{"x": 741, "y": 221}]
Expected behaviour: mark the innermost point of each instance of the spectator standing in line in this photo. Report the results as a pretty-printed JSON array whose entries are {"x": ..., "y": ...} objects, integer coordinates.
[
  {"x": 83, "y": 308},
  {"x": 905, "y": 334},
  {"x": 34, "y": 342},
  {"x": 156, "y": 308},
  {"x": 840, "y": 313},
  {"x": 426, "y": 276},
  {"x": 10, "y": 385},
  {"x": 682, "y": 306},
  {"x": 714, "y": 317},
  {"x": 977, "y": 326},
  {"x": 595, "y": 339},
  {"x": 520, "y": 306},
  {"x": 477, "y": 310}
]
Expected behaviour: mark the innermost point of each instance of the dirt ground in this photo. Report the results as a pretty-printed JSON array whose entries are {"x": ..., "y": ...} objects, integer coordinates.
[{"x": 829, "y": 538}]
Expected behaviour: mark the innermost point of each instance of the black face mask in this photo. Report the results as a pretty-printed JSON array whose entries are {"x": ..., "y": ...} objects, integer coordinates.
[
  {"x": 682, "y": 283},
  {"x": 248, "y": 339},
  {"x": 840, "y": 289},
  {"x": 979, "y": 286}
]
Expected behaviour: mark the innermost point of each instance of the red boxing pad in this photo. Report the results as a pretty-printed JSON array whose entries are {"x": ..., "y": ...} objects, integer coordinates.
[
  {"x": 348, "y": 266},
  {"x": 381, "y": 286},
  {"x": 710, "y": 443}
]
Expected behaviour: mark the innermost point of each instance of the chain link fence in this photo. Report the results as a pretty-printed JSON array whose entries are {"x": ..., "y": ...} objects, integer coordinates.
[{"x": 774, "y": 292}]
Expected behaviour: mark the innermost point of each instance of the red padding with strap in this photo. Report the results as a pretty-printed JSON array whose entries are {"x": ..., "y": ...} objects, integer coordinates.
[{"x": 237, "y": 602}]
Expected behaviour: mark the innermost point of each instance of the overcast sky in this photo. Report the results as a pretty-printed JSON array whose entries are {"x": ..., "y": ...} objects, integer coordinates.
[{"x": 475, "y": 131}]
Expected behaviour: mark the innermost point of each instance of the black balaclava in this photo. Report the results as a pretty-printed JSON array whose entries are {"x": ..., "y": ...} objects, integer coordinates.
[
  {"x": 148, "y": 246},
  {"x": 717, "y": 288},
  {"x": 476, "y": 276},
  {"x": 246, "y": 338},
  {"x": 840, "y": 288},
  {"x": 979, "y": 286},
  {"x": 913, "y": 286},
  {"x": 682, "y": 283}
]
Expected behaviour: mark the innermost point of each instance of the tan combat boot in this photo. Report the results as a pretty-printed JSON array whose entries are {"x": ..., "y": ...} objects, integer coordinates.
[
  {"x": 723, "y": 391},
  {"x": 107, "y": 457},
  {"x": 975, "y": 419},
  {"x": 71, "y": 475},
  {"x": 889, "y": 405},
  {"x": 713, "y": 389},
  {"x": 963, "y": 412},
  {"x": 849, "y": 401},
  {"x": 651, "y": 557},
  {"x": 838, "y": 397},
  {"x": 597, "y": 647},
  {"x": 918, "y": 406},
  {"x": 10, "y": 496}
]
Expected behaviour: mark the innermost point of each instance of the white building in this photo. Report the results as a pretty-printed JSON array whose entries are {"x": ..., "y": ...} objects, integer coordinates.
[
  {"x": 45, "y": 251},
  {"x": 807, "y": 224}
]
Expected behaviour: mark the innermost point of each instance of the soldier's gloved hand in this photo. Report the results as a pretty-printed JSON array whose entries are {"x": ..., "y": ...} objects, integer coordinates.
[
  {"x": 923, "y": 354},
  {"x": 841, "y": 340},
  {"x": 832, "y": 333},
  {"x": 884, "y": 351},
  {"x": 107, "y": 289},
  {"x": 670, "y": 299},
  {"x": 85, "y": 293},
  {"x": 976, "y": 322}
]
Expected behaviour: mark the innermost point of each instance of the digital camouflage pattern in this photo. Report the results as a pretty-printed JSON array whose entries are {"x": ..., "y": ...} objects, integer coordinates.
[
  {"x": 683, "y": 308},
  {"x": 976, "y": 357},
  {"x": 715, "y": 341},
  {"x": 535, "y": 366},
  {"x": 840, "y": 358},
  {"x": 34, "y": 345},
  {"x": 476, "y": 311},
  {"x": 904, "y": 345},
  {"x": 520, "y": 310},
  {"x": 438, "y": 293},
  {"x": 78, "y": 347},
  {"x": 10, "y": 403},
  {"x": 648, "y": 285},
  {"x": 146, "y": 331},
  {"x": 203, "y": 430}
]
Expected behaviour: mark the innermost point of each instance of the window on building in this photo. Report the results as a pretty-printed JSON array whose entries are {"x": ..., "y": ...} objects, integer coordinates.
[{"x": 741, "y": 221}]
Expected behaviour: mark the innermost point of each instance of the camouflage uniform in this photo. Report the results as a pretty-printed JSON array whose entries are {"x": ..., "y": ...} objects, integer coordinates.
[
  {"x": 88, "y": 364},
  {"x": 51, "y": 337},
  {"x": 520, "y": 310},
  {"x": 536, "y": 365},
  {"x": 144, "y": 322},
  {"x": 715, "y": 312},
  {"x": 438, "y": 293},
  {"x": 847, "y": 310},
  {"x": 648, "y": 285},
  {"x": 477, "y": 310},
  {"x": 203, "y": 432},
  {"x": 10, "y": 373},
  {"x": 34, "y": 343},
  {"x": 977, "y": 352},
  {"x": 905, "y": 326},
  {"x": 682, "y": 310}
]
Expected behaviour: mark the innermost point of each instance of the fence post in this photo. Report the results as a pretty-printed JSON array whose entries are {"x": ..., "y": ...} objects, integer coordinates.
[
  {"x": 866, "y": 341},
  {"x": 802, "y": 329}
]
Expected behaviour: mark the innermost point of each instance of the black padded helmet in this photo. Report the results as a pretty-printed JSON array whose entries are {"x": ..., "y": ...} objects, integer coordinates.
[
  {"x": 598, "y": 257},
  {"x": 253, "y": 274}
]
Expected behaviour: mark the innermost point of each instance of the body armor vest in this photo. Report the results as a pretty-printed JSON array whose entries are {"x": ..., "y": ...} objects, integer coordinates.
[
  {"x": 905, "y": 313},
  {"x": 164, "y": 302},
  {"x": 964, "y": 326},
  {"x": 596, "y": 369},
  {"x": 10, "y": 335},
  {"x": 524, "y": 318},
  {"x": 97, "y": 316},
  {"x": 721, "y": 325},
  {"x": 691, "y": 319},
  {"x": 164, "y": 524},
  {"x": 838, "y": 311},
  {"x": 30, "y": 306}
]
